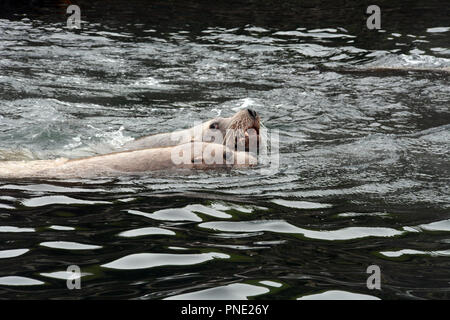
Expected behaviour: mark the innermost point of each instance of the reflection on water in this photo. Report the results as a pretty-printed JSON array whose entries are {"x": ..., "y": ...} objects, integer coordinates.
[
  {"x": 66, "y": 245},
  {"x": 145, "y": 231},
  {"x": 338, "y": 295},
  {"x": 364, "y": 144},
  {"x": 150, "y": 260},
  {"x": 64, "y": 275},
  {"x": 395, "y": 254},
  {"x": 284, "y": 227},
  {"x": 235, "y": 291},
  {"x": 12, "y": 253},
  {"x": 19, "y": 281}
]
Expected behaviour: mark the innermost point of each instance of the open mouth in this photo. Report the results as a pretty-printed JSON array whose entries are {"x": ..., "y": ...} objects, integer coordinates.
[
  {"x": 243, "y": 133},
  {"x": 248, "y": 136},
  {"x": 256, "y": 129},
  {"x": 247, "y": 139}
]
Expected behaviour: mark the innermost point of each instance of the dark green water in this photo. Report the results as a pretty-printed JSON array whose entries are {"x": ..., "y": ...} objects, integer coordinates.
[{"x": 364, "y": 156}]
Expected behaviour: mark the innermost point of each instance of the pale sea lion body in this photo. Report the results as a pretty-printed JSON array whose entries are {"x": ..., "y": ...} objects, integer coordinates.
[{"x": 200, "y": 155}]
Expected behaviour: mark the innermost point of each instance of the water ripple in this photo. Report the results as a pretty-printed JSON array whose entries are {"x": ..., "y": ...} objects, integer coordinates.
[
  {"x": 151, "y": 260},
  {"x": 280, "y": 226}
]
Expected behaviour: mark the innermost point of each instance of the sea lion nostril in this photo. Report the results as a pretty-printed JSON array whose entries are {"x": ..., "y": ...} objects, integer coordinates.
[{"x": 252, "y": 112}]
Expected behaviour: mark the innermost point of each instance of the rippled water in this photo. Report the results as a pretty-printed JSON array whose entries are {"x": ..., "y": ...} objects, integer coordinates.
[{"x": 364, "y": 155}]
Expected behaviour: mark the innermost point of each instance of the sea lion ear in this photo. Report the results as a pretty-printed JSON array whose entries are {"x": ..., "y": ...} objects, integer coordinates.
[{"x": 214, "y": 125}]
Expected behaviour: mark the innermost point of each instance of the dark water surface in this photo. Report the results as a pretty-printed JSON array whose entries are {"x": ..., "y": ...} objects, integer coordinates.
[{"x": 364, "y": 156}]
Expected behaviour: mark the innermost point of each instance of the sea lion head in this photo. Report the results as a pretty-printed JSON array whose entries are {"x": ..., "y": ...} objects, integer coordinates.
[{"x": 239, "y": 130}]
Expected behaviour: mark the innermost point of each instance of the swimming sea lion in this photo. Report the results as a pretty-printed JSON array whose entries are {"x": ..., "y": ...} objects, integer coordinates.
[
  {"x": 193, "y": 155},
  {"x": 244, "y": 123}
]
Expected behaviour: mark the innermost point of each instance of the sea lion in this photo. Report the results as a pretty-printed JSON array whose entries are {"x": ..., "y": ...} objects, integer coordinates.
[
  {"x": 193, "y": 155},
  {"x": 241, "y": 125}
]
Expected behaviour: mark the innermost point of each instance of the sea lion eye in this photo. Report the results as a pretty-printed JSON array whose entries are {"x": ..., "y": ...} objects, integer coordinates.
[{"x": 214, "y": 125}]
